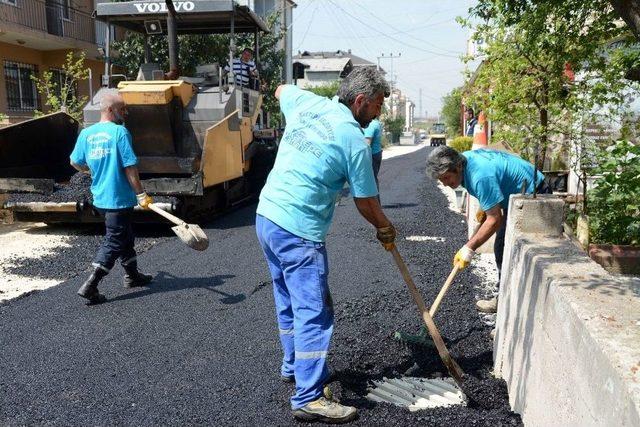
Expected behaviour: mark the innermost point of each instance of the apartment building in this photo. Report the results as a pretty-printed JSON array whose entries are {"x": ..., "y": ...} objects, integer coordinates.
[{"x": 35, "y": 36}]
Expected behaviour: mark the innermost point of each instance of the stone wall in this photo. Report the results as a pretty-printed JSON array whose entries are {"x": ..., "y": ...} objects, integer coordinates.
[{"x": 567, "y": 332}]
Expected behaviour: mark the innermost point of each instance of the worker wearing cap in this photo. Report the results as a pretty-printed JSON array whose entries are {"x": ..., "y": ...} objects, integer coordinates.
[
  {"x": 104, "y": 150},
  {"x": 491, "y": 176},
  {"x": 373, "y": 136},
  {"x": 322, "y": 148}
]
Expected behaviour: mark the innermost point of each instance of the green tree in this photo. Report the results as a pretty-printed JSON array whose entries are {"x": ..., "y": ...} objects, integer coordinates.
[
  {"x": 197, "y": 49},
  {"x": 523, "y": 84},
  {"x": 59, "y": 87},
  {"x": 328, "y": 90},
  {"x": 451, "y": 110},
  {"x": 394, "y": 127}
]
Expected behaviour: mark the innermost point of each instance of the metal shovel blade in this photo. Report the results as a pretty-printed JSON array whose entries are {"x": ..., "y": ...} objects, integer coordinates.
[{"x": 192, "y": 235}]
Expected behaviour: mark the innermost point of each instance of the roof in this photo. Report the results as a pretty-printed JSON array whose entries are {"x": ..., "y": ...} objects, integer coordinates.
[
  {"x": 192, "y": 17},
  {"x": 323, "y": 64},
  {"x": 356, "y": 61}
]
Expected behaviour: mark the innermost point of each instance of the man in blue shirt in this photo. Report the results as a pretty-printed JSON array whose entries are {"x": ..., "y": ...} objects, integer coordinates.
[
  {"x": 491, "y": 176},
  {"x": 373, "y": 136},
  {"x": 104, "y": 150},
  {"x": 322, "y": 148}
]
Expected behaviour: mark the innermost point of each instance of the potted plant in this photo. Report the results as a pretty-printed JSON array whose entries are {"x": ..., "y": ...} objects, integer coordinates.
[{"x": 614, "y": 209}]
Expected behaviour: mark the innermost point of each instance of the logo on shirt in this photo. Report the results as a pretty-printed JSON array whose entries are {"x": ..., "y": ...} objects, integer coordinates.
[
  {"x": 298, "y": 140},
  {"x": 319, "y": 125},
  {"x": 99, "y": 145}
]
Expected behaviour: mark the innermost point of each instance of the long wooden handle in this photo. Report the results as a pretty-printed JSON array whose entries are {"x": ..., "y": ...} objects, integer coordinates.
[
  {"x": 451, "y": 364},
  {"x": 174, "y": 219},
  {"x": 443, "y": 291}
]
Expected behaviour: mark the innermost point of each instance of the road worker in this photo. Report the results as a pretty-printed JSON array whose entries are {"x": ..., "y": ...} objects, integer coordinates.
[
  {"x": 491, "y": 176},
  {"x": 104, "y": 150},
  {"x": 322, "y": 147},
  {"x": 373, "y": 136}
]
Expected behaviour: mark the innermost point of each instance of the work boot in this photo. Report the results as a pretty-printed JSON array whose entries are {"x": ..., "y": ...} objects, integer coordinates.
[
  {"x": 487, "y": 305},
  {"x": 133, "y": 278},
  {"x": 327, "y": 411},
  {"x": 89, "y": 288}
]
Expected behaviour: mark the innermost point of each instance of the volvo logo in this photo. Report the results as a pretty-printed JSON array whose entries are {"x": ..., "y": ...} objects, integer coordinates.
[{"x": 154, "y": 7}]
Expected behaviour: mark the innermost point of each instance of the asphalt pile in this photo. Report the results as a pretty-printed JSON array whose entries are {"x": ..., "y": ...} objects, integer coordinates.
[{"x": 78, "y": 189}]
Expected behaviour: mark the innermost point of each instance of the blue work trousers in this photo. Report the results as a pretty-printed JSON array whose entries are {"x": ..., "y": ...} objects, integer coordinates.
[
  {"x": 118, "y": 239},
  {"x": 304, "y": 308}
]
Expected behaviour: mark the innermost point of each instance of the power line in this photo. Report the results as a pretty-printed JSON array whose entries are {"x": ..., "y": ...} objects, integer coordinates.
[
  {"x": 305, "y": 33},
  {"x": 391, "y": 37}
]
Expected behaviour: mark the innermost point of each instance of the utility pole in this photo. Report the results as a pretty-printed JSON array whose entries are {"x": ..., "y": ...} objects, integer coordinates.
[
  {"x": 420, "y": 108},
  {"x": 392, "y": 57}
]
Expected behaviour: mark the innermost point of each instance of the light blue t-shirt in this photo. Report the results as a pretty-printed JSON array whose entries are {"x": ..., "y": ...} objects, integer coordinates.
[
  {"x": 106, "y": 149},
  {"x": 374, "y": 131},
  {"x": 321, "y": 149},
  {"x": 492, "y": 176}
]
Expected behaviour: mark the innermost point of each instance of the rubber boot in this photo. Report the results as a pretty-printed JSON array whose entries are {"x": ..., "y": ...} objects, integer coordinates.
[
  {"x": 89, "y": 288},
  {"x": 133, "y": 278}
]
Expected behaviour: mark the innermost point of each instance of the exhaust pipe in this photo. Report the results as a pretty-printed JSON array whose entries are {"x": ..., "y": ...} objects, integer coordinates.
[{"x": 172, "y": 36}]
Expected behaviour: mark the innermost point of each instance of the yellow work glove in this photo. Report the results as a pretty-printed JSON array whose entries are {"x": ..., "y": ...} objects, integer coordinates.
[
  {"x": 143, "y": 200},
  {"x": 387, "y": 236},
  {"x": 481, "y": 216},
  {"x": 463, "y": 257}
]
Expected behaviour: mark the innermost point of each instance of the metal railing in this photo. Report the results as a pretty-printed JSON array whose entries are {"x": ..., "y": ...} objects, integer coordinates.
[{"x": 50, "y": 16}]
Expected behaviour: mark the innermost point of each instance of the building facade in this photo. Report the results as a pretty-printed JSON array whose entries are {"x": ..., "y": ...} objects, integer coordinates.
[{"x": 35, "y": 36}]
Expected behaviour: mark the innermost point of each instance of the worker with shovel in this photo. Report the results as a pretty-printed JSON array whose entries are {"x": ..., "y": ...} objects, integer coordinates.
[
  {"x": 104, "y": 150},
  {"x": 323, "y": 147},
  {"x": 491, "y": 176}
]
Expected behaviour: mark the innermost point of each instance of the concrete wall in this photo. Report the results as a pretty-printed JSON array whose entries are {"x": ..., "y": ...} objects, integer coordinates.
[{"x": 567, "y": 332}]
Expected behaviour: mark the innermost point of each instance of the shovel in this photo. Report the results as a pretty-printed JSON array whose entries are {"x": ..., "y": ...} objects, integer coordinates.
[
  {"x": 452, "y": 366},
  {"x": 191, "y": 234}
]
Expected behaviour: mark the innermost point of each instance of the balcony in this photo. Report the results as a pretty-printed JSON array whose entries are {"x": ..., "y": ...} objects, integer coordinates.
[{"x": 53, "y": 17}]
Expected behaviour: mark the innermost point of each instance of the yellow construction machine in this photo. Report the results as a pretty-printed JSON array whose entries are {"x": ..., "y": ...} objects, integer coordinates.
[{"x": 199, "y": 139}]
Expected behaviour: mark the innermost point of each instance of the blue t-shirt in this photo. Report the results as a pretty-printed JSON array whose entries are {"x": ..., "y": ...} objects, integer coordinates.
[
  {"x": 492, "y": 176},
  {"x": 374, "y": 131},
  {"x": 321, "y": 149},
  {"x": 106, "y": 149}
]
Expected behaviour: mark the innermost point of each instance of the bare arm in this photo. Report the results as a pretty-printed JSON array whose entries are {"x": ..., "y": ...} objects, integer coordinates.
[
  {"x": 278, "y": 91},
  {"x": 368, "y": 140},
  {"x": 134, "y": 179},
  {"x": 370, "y": 209},
  {"x": 80, "y": 168},
  {"x": 488, "y": 228}
]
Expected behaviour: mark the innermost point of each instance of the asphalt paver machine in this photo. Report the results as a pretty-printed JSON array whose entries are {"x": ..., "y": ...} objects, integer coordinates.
[{"x": 196, "y": 138}]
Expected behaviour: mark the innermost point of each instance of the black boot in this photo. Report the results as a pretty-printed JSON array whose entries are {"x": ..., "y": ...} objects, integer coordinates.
[
  {"x": 133, "y": 278},
  {"x": 89, "y": 288}
]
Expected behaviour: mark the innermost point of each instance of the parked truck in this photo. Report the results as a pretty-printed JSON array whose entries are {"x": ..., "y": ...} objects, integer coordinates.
[{"x": 198, "y": 139}]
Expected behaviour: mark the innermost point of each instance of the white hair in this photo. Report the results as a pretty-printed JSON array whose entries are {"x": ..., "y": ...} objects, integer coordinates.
[{"x": 110, "y": 97}]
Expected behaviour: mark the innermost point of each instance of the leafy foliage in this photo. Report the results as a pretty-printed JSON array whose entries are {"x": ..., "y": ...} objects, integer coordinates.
[
  {"x": 614, "y": 209},
  {"x": 394, "y": 127},
  {"x": 61, "y": 95},
  {"x": 451, "y": 107},
  {"x": 530, "y": 49},
  {"x": 462, "y": 143},
  {"x": 328, "y": 90},
  {"x": 197, "y": 49}
]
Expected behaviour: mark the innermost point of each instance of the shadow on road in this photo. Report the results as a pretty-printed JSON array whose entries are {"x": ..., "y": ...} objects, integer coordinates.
[{"x": 166, "y": 282}]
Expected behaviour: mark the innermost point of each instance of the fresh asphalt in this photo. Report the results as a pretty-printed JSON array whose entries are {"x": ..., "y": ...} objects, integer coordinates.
[{"x": 200, "y": 346}]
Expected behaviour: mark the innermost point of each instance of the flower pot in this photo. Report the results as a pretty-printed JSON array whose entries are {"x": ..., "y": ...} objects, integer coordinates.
[
  {"x": 582, "y": 230},
  {"x": 619, "y": 259}
]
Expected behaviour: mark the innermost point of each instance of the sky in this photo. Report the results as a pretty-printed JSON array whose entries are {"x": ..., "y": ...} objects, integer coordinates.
[{"x": 423, "y": 32}]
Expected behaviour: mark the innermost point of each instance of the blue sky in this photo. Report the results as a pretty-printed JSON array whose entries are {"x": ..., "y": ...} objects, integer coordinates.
[{"x": 424, "y": 32}]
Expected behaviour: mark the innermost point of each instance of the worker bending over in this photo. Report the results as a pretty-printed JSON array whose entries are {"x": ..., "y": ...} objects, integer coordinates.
[
  {"x": 104, "y": 149},
  {"x": 490, "y": 176},
  {"x": 322, "y": 148}
]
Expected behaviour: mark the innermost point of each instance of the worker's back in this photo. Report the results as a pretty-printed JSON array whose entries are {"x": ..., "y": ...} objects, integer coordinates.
[
  {"x": 492, "y": 176},
  {"x": 105, "y": 148},
  {"x": 322, "y": 148}
]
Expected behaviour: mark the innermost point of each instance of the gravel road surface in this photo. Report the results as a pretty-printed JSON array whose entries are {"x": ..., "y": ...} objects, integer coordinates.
[{"x": 200, "y": 347}]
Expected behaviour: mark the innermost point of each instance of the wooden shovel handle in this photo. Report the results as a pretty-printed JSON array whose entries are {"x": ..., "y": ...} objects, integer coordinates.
[
  {"x": 452, "y": 366},
  {"x": 174, "y": 219},
  {"x": 443, "y": 291}
]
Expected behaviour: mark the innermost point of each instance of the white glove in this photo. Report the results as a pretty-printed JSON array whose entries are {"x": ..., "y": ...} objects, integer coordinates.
[
  {"x": 463, "y": 257},
  {"x": 144, "y": 200}
]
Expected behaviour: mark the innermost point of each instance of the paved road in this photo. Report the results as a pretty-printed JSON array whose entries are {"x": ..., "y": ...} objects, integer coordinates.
[{"x": 201, "y": 345}]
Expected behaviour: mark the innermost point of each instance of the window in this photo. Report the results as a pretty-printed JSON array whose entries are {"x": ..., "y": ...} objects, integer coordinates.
[
  {"x": 11, "y": 2},
  {"x": 64, "y": 6},
  {"x": 21, "y": 90}
]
